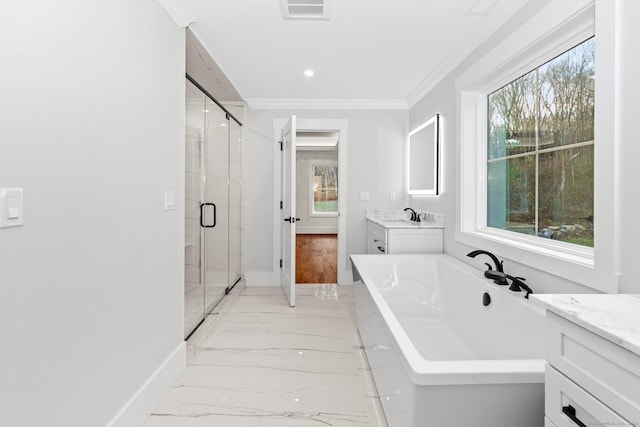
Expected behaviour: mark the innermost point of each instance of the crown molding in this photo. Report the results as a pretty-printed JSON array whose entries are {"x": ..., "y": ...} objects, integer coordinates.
[
  {"x": 326, "y": 104},
  {"x": 179, "y": 12},
  {"x": 504, "y": 11}
]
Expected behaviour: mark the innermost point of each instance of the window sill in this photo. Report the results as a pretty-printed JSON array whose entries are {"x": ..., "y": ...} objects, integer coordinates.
[{"x": 566, "y": 252}]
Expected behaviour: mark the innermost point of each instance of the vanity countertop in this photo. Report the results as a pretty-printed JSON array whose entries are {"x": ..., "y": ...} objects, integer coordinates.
[
  {"x": 397, "y": 218},
  {"x": 404, "y": 223},
  {"x": 615, "y": 317}
]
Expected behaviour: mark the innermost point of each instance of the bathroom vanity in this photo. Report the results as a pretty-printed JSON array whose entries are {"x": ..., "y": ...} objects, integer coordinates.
[
  {"x": 390, "y": 232},
  {"x": 592, "y": 376}
]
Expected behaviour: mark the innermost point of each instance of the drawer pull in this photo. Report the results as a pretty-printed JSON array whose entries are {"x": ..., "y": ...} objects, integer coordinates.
[
  {"x": 570, "y": 412},
  {"x": 381, "y": 249}
]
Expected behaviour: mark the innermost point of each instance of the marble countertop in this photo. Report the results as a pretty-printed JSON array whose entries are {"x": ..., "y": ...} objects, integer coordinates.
[
  {"x": 403, "y": 223},
  {"x": 397, "y": 218},
  {"x": 615, "y": 317}
]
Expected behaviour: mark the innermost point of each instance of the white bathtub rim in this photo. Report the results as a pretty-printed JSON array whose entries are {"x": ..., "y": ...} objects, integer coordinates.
[{"x": 454, "y": 372}]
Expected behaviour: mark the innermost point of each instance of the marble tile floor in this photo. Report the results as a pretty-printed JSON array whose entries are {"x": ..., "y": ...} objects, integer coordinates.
[{"x": 265, "y": 364}]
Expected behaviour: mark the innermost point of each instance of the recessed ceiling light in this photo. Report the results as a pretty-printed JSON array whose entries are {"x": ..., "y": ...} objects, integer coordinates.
[
  {"x": 309, "y": 73},
  {"x": 223, "y": 124}
]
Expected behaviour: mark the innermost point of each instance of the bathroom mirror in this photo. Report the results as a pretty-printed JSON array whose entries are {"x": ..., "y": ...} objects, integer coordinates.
[{"x": 423, "y": 153}]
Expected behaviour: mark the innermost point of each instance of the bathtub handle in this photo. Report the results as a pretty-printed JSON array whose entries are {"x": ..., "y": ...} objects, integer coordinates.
[{"x": 570, "y": 412}]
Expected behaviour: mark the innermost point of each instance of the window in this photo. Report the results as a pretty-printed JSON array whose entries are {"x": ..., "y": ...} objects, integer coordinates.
[
  {"x": 324, "y": 191},
  {"x": 518, "y": 225},
  {"x": 540, "y": 150}
]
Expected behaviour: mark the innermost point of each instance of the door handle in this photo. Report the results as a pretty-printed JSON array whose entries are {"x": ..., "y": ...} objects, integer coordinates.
[
  {"x": 202, "y": 224},
  {"x": 291, "y": 219}
]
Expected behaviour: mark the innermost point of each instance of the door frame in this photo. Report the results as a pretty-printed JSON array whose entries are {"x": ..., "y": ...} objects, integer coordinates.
[{"x": 315, "y": 125}]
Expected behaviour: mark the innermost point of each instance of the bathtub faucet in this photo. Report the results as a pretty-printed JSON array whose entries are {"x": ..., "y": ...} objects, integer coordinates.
[
  {"x": 495, "y": 259},
  {"x": 517, "y": 285}
]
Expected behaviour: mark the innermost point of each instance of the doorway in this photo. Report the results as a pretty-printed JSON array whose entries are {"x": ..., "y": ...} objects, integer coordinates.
[
  {"x": 317, "y": 202},
  {"x": 285, "y": 135}
]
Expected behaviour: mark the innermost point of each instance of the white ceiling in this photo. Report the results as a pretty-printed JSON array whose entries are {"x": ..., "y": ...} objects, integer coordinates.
[{"x": 384, "y": 54}]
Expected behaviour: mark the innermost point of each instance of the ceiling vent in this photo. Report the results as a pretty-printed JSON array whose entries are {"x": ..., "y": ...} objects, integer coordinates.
[{"x": 305, "y": 9}]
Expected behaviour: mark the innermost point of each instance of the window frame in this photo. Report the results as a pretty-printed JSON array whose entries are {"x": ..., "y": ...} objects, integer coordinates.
[
  {"x": 312, "y": 164},
  {"x": 555, "y": 29}
]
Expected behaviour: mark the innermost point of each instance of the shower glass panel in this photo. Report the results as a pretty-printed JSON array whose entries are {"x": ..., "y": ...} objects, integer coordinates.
[
  {"x": 216, "y": 211},
  {"x": 194, "y": 193},
  {"x": 213, "y": 204},
  {"x": 236, "y": 160}
]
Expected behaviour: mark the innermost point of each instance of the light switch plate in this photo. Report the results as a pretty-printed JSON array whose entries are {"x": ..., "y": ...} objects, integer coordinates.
[
  {"x": 364, "y": 195},
  {"x": 11, "y": 207},
  {"x": 169, "y": 200}
]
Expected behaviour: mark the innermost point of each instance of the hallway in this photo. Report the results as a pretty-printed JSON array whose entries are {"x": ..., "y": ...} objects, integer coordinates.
[{"x": 267, "y": 364}]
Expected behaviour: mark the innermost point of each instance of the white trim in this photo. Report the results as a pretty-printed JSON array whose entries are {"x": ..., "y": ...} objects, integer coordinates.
[
  {"x": 316, "y": 229},
  {"x": 326, "y": 104},
  {"x": 500, "y": 14},
  {"x": 261, "y": 279},
  {"x": 137, "y": 409},
  {"x": 556, "y": 28},
  {"x": 339, "y": 125},
  {"x": 179, "y": 12}
]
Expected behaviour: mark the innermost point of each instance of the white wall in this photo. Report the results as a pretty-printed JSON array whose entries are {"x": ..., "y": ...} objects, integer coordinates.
[
  {"x": 442, "y": 99},
  {"x": 375, "y": 159},
  {"x": 629, "y": 90},
  {"x": 92, "y": 127}
]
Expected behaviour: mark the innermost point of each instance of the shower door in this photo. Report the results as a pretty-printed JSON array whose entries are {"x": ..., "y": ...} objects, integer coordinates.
[
  {"x": 194, "y": 304},
  {"x": 206, "y": 206},
  {"x": 215, "y": 205}
]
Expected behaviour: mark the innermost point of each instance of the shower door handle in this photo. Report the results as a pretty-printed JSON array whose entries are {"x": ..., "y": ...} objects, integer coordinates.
[{"x": 202, "y": 207}]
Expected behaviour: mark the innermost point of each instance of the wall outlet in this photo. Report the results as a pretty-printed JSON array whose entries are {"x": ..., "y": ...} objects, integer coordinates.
[{"x": 392, "y": 195}]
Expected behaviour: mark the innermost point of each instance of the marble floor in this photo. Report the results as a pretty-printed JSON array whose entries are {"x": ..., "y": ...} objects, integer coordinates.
[{"x": 265, "y": 364}]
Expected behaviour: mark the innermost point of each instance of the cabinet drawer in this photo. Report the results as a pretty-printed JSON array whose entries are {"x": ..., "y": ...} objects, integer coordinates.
[
  {"x": 568, "y": 405},
  {"x": 375, "y": 246},
  {"x": 415, "y": 240},
  {"x": 378, "y": 231},
  {"x": 601, "y": 367}
]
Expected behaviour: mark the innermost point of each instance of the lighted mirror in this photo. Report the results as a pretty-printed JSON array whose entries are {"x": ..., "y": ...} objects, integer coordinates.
[{"x": 423, "y": 152}]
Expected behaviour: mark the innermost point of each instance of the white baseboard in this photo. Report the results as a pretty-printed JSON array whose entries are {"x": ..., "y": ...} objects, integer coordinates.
[
  {"x": 136, "y": 411},
  {"x": 262, "y": 278},
  {"x": 258, "y": 279},
  {"x": 316, "y": 229}
]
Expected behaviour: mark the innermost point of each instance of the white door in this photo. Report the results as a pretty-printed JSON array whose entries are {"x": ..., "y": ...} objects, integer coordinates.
[{"x": 288, "y": 216}]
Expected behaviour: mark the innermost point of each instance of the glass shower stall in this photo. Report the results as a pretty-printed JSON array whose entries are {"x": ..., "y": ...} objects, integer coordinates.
[{"x": 213, "y": 202}]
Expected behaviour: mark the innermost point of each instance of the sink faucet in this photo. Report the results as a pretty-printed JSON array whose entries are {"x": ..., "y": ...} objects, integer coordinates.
[
  {"x": 495, "y": 259},
  {"x": 414, "y": 216}
]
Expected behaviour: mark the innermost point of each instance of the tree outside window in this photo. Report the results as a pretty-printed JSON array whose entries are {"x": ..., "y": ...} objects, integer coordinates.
[{"x": 540, "y": 150}]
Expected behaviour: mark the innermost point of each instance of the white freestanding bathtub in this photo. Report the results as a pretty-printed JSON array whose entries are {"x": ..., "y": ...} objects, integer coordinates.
[{"x": 439, "y": 356}]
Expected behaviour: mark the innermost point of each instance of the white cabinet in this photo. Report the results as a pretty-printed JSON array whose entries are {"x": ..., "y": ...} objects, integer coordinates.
[
  {"x": 589, "y": 380},
  {"x": 403, "y": 240},
  {"x": 376, "y": 238}
]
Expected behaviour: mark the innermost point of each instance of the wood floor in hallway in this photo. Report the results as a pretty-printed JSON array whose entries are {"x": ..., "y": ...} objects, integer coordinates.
[{"x": 316, "y": 258}]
